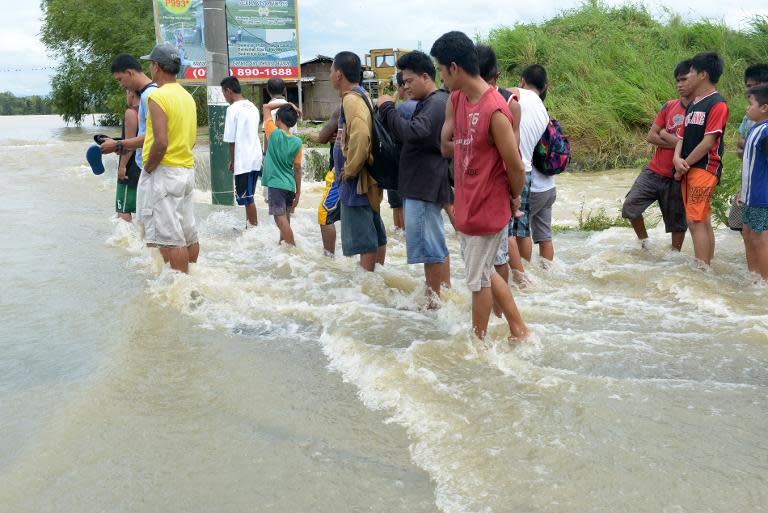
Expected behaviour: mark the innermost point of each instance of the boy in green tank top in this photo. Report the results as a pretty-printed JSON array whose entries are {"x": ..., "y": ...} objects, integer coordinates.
[{"x": 282, "y": 167}]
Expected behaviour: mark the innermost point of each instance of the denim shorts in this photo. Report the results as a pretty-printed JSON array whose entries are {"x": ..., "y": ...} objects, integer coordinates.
[
  {"x": 424, "y": 232},
  {"x": 362, "y": 230}
]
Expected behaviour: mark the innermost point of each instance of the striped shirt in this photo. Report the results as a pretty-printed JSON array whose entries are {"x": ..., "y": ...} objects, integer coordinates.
[{"x": 754, "y": 167}]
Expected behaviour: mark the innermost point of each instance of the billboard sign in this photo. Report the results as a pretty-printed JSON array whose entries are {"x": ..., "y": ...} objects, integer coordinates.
[{"x": 262, "y": 36}]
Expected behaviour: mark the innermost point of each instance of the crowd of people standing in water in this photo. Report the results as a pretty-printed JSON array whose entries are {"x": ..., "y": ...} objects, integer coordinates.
[{"x": 467, "y": 150}]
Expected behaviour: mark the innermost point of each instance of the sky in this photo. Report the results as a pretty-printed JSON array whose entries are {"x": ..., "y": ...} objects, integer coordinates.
[{"x": 324, "y": 28}]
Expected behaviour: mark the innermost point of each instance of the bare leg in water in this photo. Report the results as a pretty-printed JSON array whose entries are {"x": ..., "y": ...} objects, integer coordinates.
[{"x": 481, "y": 309}]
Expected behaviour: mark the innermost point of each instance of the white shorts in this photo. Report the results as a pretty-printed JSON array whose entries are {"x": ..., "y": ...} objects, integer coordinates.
[
  {"x": 164, "y": 206},
  {"x": 479, "y": 253}
]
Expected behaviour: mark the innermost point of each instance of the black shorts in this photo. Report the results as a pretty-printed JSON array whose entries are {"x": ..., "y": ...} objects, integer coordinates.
[
  {"x": 280, "y": 202},
  {"x": 650, "y": 187},
  {"x": 245, "y": 184}
]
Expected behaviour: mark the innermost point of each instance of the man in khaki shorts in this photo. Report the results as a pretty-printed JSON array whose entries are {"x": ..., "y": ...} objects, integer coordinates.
[{"x": 165, "y": 208}]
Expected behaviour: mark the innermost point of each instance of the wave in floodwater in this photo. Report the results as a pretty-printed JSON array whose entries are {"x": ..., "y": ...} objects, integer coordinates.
[
  {"x": 638, "y": 364},
  {"x": 642, "y": 388}
]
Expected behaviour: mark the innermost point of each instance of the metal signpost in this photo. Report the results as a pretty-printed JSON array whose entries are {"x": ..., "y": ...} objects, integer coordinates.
[{"x": 253, "y": 40}]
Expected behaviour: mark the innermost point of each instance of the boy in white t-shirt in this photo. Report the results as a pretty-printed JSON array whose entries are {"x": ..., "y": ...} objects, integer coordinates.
[{"x": 241, "y": 131}]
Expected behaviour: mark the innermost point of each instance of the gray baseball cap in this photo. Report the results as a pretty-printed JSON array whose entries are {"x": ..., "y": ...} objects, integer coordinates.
[{"x": 164, "y": 54}]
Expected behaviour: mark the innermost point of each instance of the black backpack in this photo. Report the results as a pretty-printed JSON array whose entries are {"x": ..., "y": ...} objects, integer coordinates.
[{"x": 385, "y": 150}]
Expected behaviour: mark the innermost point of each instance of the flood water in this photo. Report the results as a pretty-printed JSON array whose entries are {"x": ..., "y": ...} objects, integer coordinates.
[{"x": 277, "y": 380}]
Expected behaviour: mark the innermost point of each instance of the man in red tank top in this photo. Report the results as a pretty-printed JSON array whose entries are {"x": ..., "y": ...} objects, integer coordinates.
[{"x": 488, "y": 175}]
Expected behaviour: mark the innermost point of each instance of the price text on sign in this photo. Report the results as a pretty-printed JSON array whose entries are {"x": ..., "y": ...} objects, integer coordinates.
[{"x": 177, "y": 6}]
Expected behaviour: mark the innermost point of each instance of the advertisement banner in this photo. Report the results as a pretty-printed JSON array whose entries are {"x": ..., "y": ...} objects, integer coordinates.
[{"x": 262, "y": 35}]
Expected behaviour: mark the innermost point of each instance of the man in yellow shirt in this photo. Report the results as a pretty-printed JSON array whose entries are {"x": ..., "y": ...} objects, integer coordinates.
[{"x": 165, "y": 209}]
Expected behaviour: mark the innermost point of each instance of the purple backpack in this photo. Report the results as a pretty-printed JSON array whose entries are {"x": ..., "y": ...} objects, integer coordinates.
[{"x": 553, "y": 152}]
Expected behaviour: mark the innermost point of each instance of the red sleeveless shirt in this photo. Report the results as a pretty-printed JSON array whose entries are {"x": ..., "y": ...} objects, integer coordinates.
[{"x": 480, "y": 178}]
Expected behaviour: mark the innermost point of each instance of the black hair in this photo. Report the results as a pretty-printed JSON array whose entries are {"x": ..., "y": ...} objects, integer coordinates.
[
  {"x": 417, "y": 62},
  {"x": 399, "y": 79},
  {"x": 349, "y": 65},
  {"x": 757, "y": 72},
  {"x": 456, "y": 47},
  {"x": 711, "y": 62},
  {"x": 288, "y": 115},
  {"x": 536, "y": 75},
  {"x": 489, "y": 68},
  {"x": 233, "y": 84},
  {"x": 124, "y": 62},
  {"x": 682, "y": 68},
  {"x": 760, "y": 92},
  {"x": 275, "y": 86},
  {"x": 171, "y": 69}
]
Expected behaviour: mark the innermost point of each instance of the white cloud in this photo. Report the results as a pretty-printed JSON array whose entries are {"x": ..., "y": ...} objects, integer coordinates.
[{"x": 21, "y": 52}]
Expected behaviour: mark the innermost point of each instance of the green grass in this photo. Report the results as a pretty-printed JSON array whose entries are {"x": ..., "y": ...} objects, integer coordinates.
[
  {"x": 595, "y": 221},
  {"x": 315, "y": 165},
  {"x": 610, "y": 70}
]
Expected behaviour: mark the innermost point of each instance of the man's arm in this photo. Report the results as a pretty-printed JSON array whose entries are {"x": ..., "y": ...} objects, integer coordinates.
[
  {"x": 131, "y": 127},
  {"x": 656, "y": 136},
  {"x": 446, "y": 134},
  {"x": 329, "y": 130},
  {"x": 110, "y": 145},
  {"x": 232, "y": 157},
  {"x": 504, "y": 139},
  {"x": 297, "y": 177},
  {"x": 514, "y": 108},
  {"x": 416, "y": 130},
  {"x": 160, "y": 132},
  {"x": 681, "y": 166},
  {"x": 701, "y": 149}
]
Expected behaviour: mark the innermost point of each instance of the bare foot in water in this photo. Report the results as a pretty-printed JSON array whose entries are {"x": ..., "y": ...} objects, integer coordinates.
[
  {"x": 520, "y": 337},
  {"x": 520, "y": 279}
]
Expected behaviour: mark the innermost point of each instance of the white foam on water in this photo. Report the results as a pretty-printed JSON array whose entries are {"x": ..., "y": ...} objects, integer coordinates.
[{"x": 617, "y": 333}]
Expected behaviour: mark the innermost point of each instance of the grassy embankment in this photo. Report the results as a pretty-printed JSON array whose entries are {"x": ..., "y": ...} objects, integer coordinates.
[{"x": 611, "y": 69}]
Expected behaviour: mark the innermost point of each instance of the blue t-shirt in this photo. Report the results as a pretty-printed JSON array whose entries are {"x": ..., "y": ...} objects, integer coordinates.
[
  {"x": 407, "y": 108},
  {"x": 745, "y": 126},
  {"x": 754, "y": 167},
  {"x": 143, "y": 113}
]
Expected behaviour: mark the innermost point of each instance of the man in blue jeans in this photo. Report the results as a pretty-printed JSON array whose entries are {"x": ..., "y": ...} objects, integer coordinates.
[{"x": 424, "y": 180}]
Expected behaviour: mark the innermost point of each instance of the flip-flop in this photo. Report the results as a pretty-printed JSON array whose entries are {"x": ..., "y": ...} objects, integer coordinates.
[{"x": 93, "y": 155}]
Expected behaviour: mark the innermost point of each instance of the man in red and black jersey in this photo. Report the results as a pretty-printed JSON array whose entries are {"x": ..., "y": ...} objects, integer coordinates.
[
  {"x": 699, "y": 152},
  {"x": 655, "y": 182}
]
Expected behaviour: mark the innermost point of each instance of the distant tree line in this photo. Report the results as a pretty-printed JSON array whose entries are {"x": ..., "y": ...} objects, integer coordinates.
[{"x": 11, "y": 105}]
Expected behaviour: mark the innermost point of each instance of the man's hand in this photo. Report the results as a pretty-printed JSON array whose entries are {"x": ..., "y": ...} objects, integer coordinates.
[
  {"x": 681, "y": 167},
  {"x": 122, "y": 173},
  {"x": 515, "y": 203},
  {"x": 295, "y": 203},
  {"x": 231, "y": 166},
  {"x": 384, "y": 99},
  {"x": 108, "y": 146}
]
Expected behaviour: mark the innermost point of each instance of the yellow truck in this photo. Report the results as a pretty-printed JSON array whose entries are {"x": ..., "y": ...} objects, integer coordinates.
[{"x": 379, "y": 69}]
